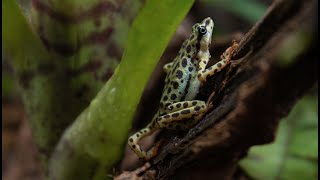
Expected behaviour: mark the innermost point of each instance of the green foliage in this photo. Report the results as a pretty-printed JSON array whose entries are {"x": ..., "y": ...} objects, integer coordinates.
[
  {"x": 99, "y": 133},
  {"x": 294, "y": 154}
]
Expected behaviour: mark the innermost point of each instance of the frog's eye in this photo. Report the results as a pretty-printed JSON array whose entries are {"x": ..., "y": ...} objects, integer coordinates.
[{"x": 202, "y": 30}]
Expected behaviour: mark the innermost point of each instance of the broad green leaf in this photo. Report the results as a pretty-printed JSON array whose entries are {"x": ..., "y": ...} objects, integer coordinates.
[
  {"x": 96, "y": 140},
  {"x": 294, "y": 154}
]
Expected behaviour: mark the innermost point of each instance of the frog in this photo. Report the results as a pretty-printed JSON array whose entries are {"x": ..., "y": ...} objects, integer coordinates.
[{"x": 178, "y": 108}]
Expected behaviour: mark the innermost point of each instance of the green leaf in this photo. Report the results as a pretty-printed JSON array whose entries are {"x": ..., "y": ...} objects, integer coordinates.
[
  {"x": 100, "y": 132},
  {"x": 294, "y": 154}
]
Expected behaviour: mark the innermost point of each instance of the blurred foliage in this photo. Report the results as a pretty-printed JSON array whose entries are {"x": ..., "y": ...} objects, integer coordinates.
[
  {"x": 294, "y": 154},
  {"x": 250, "y": 10},
  {"x": 293, "y": 46},
  {"x": 8, "y": 85}
]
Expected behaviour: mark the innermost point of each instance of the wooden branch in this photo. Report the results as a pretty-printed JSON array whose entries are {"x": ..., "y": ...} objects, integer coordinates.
[{"x": 251, "y": 96}]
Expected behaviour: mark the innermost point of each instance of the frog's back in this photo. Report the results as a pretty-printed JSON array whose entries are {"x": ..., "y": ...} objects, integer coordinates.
[{"x": 181, "y": 82}]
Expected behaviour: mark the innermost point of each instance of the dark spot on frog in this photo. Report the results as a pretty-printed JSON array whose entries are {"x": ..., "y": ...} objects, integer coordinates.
[
  {"x": 197, "y": 108},
  {"x": 165, "y": 98},
  {"x": 194, "y": 103},
  {"x": 131, "y": 140},
  {"x": 219, "y": 64},
  {"x": 187, "y": 111},
  {"x": 169, "y": 90},
  {"x": 184, "y": 62},
  {"x": 175, "y": 114},
  {"x": 173, "y": 97},
  {"x": 178, "y": 105},
  {"x": 166, "y": 116},
  {"x": 175, "y": 85},
  {"x": 190, "y": 68},
  {"x": 188, "y": 49},
  {"x": 185, "y": 104},
  {"x": 179, "y": 74}
]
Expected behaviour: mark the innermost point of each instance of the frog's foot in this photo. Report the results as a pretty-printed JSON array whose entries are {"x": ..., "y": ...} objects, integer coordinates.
[
  {"x": 153, "y": 151},
  {"x": 135, "y": 138},
  {"x": 133, "y": 174},
  {"x": 225, "y": 60},
  {"x": 143, "y": 168},
  {"x": 180, "y": 111}
]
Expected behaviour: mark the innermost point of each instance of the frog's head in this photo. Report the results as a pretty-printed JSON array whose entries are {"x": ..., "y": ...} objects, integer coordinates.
[{"x": 203, "y": 34}]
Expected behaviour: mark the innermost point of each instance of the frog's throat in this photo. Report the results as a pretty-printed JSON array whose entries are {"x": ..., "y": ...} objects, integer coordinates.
[{"x": 205, "y": 43}]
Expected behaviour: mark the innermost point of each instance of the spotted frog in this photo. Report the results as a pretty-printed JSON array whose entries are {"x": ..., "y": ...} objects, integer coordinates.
[{"x": 178, "y": 108}]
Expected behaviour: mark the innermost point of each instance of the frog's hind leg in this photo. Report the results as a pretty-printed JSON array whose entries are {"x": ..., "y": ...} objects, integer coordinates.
[
  {"x": 135, "y": 138},
  {"x": 181, "y": 111}
]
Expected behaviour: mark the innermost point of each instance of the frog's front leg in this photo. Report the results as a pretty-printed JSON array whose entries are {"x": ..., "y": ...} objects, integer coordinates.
[
  {"x": 181, "y": 111},
  {"x": 203, "y": 74}
]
